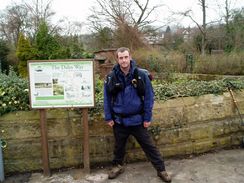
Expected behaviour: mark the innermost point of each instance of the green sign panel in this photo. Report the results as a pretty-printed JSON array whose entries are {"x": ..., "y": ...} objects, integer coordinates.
[{"x": 67, "y": 83}]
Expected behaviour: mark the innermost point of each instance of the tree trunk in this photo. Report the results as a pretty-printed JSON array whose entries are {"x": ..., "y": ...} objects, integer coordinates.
[{"x": 203, "y": 27}]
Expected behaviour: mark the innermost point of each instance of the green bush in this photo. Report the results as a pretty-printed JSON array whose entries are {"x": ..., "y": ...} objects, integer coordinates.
[
  {"x": 13, "y": 93},
  {"x": 98, "y": 97}
]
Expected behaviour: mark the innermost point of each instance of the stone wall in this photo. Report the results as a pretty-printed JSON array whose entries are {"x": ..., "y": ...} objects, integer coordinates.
[{"x": 181, "y": 126}]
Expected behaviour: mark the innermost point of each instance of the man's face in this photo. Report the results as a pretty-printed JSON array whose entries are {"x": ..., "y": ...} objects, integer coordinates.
[{"x": 124, "y": 59}]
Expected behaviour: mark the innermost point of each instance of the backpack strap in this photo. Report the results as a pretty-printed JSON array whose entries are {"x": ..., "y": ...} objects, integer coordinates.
[
  {"x": 113, "y": 84},
  {"x": 139, "y": 82}
]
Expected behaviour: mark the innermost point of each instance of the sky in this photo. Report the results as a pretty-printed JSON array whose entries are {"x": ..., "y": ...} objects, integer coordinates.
[{"x": 79, "y": 10}]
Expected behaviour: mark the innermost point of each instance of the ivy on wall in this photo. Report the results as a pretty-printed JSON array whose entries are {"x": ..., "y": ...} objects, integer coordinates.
[
  {"x": 14, "y": 93},
  {"x": 165, "y": 91}
]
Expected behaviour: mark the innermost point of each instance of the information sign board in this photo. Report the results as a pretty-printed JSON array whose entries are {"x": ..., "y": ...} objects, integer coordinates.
[{"x": 61, "y": 83}]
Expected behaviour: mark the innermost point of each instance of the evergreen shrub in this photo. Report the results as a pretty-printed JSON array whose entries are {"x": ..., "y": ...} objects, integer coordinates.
[{"x": 13, "y": 93}]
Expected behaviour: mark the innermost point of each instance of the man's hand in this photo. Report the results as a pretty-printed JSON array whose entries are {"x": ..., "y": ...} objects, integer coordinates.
[
  {"x": 110, "y": 123},
  {"x": 146, "y": 124}
]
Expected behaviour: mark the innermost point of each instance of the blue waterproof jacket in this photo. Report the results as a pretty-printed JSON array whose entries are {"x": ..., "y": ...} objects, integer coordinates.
[{"x": 127, "y": 107}]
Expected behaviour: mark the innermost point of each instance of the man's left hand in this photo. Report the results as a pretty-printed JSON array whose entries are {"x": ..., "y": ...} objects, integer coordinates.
[{"x": 146, "y": 124}]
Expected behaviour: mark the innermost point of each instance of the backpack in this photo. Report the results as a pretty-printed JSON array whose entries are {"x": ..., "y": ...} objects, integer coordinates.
[{"x": 115, "y": 86}]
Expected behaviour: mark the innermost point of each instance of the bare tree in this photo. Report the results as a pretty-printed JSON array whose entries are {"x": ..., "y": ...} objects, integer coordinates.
[
  {"x": 226, "y": 9},
  {"x": 39, "y": 11},
  {"x": 227, "y": 12},
  {"x": 24, "y": 17},
  {"x": 228, "y": 30},
  {"x": 133, "y": 12},
  {"x": 12, "y": 23},
  {"x": 124, "y": 17},
  {"x": 203, "y": 30},
  {"x": 202, "y": 26}
]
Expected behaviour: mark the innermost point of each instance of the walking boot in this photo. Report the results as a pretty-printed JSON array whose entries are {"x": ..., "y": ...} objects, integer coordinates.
[
  {"x": 164, "y": 176},
  {"x": 115, "y": 171}
]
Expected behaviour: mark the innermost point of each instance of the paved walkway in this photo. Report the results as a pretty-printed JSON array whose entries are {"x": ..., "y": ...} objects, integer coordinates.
[{"x": 225, "y": 166}]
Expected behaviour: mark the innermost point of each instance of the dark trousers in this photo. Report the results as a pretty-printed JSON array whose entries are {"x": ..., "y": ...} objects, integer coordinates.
[{"x": 121, "y": 134}]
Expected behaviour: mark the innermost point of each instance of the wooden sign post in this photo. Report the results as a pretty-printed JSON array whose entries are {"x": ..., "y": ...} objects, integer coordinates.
[
  {"x": 86, "y": 156},
  {"x": 44, "y": 143},
  {"x": 62, "y": 84}
]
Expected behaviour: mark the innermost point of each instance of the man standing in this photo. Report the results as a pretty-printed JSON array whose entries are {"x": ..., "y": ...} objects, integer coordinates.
[{"x": 128, "y": 103}]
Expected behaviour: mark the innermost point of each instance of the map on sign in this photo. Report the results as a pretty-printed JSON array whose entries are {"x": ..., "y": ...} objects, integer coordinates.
[{"x": 55, "y": 84}]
